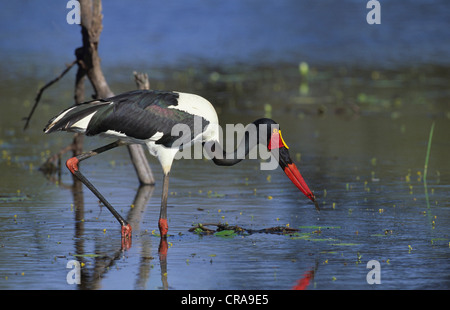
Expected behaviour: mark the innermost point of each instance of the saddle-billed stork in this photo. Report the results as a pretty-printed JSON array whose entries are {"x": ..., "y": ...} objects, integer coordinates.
[{"x": 147, "y": 117}]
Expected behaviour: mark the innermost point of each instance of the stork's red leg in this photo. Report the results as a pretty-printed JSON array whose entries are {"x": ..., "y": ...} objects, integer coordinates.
[
  {"x": 163, "y": 227},
  {"x": 162, "y": 223},
  {"x": 72, "y": 165}
]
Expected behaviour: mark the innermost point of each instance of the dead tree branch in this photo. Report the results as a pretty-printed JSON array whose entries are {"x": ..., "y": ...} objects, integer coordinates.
[
  {"x": 141, "y": 80},
  {"x": 136, "y": 151},
  {"x": 88, "y": 61},
  {"x": 41, "y": 91}
]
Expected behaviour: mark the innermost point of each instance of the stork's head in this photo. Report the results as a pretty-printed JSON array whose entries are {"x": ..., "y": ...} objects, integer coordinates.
[{"x": 279, "y": 149}]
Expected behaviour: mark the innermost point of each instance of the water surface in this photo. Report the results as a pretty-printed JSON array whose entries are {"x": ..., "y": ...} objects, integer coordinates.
[{"x": 358, "y": 128}]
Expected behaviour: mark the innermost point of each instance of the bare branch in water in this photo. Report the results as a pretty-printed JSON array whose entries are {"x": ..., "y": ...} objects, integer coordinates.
[{"x": 41, "y": 91}]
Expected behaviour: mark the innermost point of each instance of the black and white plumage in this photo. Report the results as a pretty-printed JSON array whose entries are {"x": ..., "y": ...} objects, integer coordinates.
[
  {"x": 148, "y": 117},
  {"x": 143, "y": 117}
]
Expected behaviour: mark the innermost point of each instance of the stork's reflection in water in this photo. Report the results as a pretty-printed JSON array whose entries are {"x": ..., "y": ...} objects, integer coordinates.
[{"x": 107, "y": 255}]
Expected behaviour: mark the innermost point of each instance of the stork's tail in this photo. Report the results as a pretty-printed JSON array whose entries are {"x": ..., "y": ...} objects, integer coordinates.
[{"x": 76, "y": 118}]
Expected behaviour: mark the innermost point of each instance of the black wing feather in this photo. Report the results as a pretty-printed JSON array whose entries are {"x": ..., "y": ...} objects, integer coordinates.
[
  {"x": 141, "y": 114},
  {"x": 78, "y": 112}
]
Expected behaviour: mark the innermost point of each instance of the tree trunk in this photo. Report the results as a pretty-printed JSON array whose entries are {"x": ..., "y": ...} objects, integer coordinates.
[{"x": 89, "y": 65}]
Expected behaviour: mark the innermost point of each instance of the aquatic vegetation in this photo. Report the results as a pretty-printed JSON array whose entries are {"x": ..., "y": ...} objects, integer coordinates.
[
  {"x": 345, "y": 244},
  {"x": 425, "y": 169},
  {"x": 226, "y": 233},
  {"x": 87, "y": 255},
  {"x": 13, "y": 197},
  {"x": 228, "y": 230}
]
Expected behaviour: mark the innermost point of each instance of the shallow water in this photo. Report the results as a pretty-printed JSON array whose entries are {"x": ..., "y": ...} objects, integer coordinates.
[
  {"x": 365, "y": 166},
  {"x": 357, "y": 127}
]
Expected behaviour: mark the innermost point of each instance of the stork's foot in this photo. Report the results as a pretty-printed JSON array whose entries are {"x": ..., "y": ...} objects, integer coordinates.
[
  {"x": 72, "y": 164},
  {"x": 126, "y": 231},
  {"x": 126, "y": 236},
  {"x": 163, "y": 227}
]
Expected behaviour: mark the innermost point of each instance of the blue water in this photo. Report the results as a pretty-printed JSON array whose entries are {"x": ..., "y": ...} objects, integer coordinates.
[
  {"x": 364, "y": 166},
  {"x": 178, "y": 33}
]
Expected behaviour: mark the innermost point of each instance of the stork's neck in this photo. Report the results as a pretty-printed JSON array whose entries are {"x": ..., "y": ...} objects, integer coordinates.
[{"x": 252, "y": 136}]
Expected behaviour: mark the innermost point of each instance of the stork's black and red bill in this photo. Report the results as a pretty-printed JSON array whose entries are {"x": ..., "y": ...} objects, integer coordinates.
[
  {"x": 288, "y": 165},
  {"x": 294, "y": 175}
]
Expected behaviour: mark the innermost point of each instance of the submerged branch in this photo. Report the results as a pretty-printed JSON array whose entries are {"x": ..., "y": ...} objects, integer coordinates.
[{"x": 201, "y": 229}]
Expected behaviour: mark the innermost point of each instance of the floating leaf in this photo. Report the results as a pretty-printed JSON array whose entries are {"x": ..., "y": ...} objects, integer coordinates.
[{"x": 225, "y": 233}]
